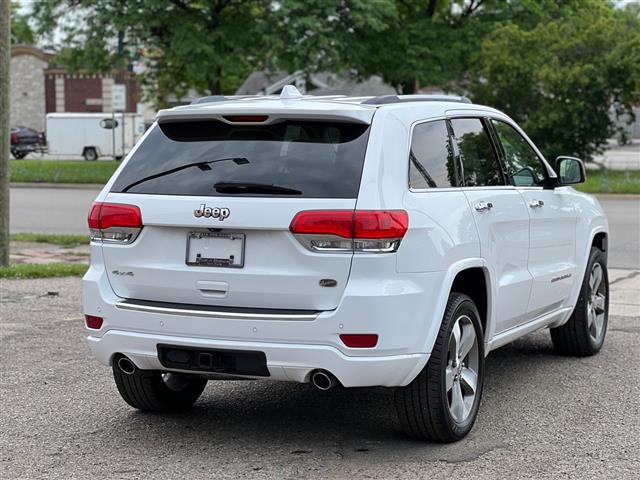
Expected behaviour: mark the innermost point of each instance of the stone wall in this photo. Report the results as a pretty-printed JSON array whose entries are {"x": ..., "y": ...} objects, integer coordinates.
[{"x": 27, "y": 91}]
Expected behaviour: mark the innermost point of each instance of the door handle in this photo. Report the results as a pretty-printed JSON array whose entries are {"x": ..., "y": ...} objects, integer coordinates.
[
  {"x": 483, "y": 206},
  {"x": 536, "y": 204}
]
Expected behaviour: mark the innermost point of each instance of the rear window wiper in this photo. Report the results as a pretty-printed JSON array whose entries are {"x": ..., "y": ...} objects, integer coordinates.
[
  {"x": 201, "y": 165},
  {"x": 245, "y": 187}
]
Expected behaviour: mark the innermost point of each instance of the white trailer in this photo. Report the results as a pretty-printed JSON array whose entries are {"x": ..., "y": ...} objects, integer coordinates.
[{"x": 93, "y": 135}]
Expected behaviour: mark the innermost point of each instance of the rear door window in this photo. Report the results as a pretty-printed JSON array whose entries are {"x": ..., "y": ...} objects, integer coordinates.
[
  {"x": 213, "y": 158},
  {"x": 477, "y": 156},
  {"x": 431, "y": 163}
]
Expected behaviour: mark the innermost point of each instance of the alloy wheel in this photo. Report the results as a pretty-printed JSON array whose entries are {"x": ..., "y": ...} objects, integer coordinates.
[
  {"x": 461, "y": 372},
  {"x": 596, "y": 303}
]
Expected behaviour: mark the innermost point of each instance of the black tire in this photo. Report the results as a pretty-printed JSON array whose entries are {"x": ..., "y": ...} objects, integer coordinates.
[
  {"x": 148, "y": 390},
  {"x": 576, "y": 337},
  {"x": 18, "y": 155},
  {"x": 423, "y": 405},
  {"x": 118, "y": 158},
  {"x": 90, "y": 154}
]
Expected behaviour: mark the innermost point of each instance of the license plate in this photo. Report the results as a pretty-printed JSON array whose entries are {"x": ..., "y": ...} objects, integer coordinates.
[{"x": 209, "y": 249}]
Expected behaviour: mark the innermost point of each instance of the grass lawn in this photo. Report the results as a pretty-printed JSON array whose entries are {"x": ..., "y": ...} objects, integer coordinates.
[
  {"x": 63, "y": 240},
  {"x": 42, "y": 270},
  {"x": 611, "y": 181},
  {"x": 62, "y": 171}
]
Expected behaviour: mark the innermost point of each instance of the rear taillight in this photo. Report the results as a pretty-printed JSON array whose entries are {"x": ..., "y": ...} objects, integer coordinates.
[
  {"x": 114, "y": 222},
  {"x": 370, "y": 231},
  {"x": 14, "y": 139}
]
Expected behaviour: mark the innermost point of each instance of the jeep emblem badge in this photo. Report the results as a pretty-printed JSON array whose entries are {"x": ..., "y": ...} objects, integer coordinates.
[{"x": 211, "y": 212}]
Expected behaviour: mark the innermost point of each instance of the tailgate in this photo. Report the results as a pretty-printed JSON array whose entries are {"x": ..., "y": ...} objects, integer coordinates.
[
  {"x": 217, "y": 198},
  {"x": 276, "y": 272}
]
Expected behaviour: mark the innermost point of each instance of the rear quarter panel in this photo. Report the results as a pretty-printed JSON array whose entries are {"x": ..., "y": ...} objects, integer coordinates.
[
  {"x": 441, "y": 226},
  {"x": 442, "y": 238}
]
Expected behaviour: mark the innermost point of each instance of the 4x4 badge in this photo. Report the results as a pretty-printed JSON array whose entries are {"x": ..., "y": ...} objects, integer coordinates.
[{"x": 212, "y": 212}]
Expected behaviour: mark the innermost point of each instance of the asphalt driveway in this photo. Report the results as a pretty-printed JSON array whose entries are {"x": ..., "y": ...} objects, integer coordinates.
[{"x": 542, "y": 415}]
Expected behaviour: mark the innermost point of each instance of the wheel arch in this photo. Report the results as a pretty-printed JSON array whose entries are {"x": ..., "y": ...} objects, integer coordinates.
[
  {"x": 601, "y": 241},
  {"x": 463, "y": 272},
  {"x": 474, "y": 282},
  {"x": 599, "y": 238}
]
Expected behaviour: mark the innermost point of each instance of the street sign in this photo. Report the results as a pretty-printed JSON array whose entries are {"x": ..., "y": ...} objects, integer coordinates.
[{"x": 118, "y": 97}]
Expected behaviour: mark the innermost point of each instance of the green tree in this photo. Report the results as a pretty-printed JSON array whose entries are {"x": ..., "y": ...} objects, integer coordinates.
[
  {"x": 431, "y": 42},
  {"x": 428, "y": 42},
  {"x": 559, "y": 78},
  {"x": 21, "y": 32},
  {"x": 209, "y": 46},
  {"x": 317, "y": 35}
]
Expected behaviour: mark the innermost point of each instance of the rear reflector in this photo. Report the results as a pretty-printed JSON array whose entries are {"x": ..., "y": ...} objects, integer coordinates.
[
  {"x": 246, "y": 118},
  {"x": 93, "y": 322},
  {"x": 373, "y": 231},
  {"x": 359, "y": 340},
  {"x": 114, "y": 222}
]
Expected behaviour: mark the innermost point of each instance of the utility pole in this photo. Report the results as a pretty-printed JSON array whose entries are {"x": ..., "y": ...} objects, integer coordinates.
[{"x": 5, "y": 62}]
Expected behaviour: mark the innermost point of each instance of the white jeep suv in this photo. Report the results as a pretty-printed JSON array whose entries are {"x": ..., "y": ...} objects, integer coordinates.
[{"x": 375, "y": 241}]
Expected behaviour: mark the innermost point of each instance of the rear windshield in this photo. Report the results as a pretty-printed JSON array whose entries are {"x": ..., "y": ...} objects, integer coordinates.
[{"x": 212, "y": 158}]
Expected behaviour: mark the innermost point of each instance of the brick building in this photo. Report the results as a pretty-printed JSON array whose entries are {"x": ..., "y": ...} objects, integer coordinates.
[{"x": 39, "y": 87}]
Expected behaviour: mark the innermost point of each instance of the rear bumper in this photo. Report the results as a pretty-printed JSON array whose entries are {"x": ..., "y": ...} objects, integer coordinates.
[
  {"x": 400, "y": 309},
  {"x": 27, "y": 147},
  {"x": 287, "y": 362}
]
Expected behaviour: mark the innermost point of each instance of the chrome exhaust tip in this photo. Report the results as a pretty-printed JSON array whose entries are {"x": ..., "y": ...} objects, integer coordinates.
[
  {"x": 323, "y": 380},
  {"x": 126, "y": 366}
]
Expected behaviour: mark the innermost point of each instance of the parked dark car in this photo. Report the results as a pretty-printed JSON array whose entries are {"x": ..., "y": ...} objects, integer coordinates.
[{"x": 26, "y": 140}]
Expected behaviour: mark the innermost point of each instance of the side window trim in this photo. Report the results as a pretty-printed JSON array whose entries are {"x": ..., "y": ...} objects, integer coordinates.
[
  {"x": 452, "y": 148},
  {"x": 499, "y": 150},
  {"x": 457, "y": 164},
  {"x": 456, "y": 152}
]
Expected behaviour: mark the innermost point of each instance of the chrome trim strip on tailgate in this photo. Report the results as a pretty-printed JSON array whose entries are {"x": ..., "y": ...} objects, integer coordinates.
[{"x": 214, "y": 313}]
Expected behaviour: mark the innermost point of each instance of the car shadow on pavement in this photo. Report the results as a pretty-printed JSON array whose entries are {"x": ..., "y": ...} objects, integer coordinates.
[{"x": 295, "y": 419}]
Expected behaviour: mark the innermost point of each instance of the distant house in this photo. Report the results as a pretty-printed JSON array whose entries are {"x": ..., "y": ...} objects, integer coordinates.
[
  {"x": 39, "y": 87},
  {"x": 322, "y": 83}
]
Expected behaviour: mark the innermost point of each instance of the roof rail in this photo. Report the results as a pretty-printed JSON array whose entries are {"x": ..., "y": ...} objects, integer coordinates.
[
  {"x": 223, "y": 98},
  {"x": 389, "y": 99},
  {"x": 209, "y": 99}
]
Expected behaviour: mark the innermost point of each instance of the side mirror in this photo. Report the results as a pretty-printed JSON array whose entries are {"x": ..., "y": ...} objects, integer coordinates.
[{"x": 570, "y": 171}]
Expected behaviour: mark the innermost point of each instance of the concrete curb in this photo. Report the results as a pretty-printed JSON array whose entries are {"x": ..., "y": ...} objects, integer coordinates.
[{"x": 70, "y": 186}]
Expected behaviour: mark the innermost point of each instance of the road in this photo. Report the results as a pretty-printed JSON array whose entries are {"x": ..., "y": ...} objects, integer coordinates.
[
  {"x": 542, "y": 416},
  {"x": 51, "y": 210},
  {"x": 57, "y": 210}
]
